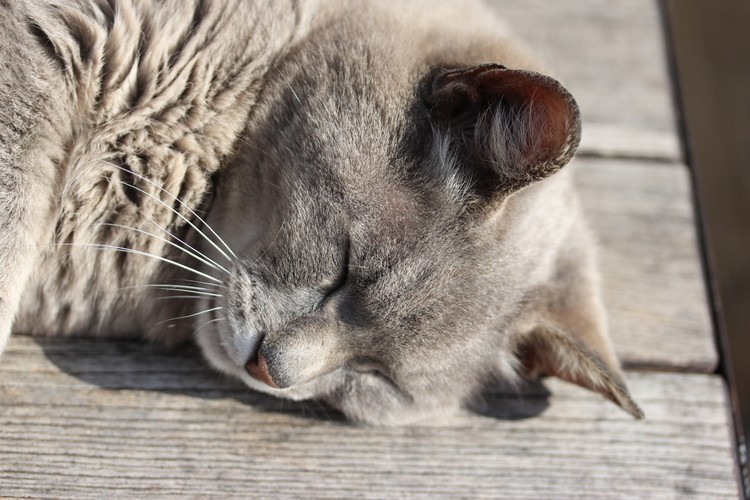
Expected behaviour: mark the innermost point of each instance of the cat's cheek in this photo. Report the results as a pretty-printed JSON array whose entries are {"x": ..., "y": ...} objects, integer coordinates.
[{"x": 210, "y": 345}]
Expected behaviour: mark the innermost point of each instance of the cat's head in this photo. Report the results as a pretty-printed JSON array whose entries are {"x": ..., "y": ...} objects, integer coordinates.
[{"x": 399, "y": 247}]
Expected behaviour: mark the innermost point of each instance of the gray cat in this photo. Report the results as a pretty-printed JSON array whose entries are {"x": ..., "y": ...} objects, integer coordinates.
[{"x": 357, "y": 202}]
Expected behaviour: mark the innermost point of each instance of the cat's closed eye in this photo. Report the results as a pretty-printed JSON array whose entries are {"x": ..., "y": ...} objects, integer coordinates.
[{"x": 341, "y": 279}]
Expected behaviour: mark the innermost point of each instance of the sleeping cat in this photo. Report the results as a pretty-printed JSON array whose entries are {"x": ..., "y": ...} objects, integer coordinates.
[{"x": 359, "y": 202}]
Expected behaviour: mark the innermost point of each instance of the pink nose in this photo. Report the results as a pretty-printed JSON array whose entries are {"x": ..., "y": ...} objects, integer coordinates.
[{"x": 258, "y": 369}]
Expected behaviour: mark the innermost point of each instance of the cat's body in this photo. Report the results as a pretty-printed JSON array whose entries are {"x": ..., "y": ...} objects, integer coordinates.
[
  {"x": 168, "y": 105},
  {"x": 384, "y": 242}
]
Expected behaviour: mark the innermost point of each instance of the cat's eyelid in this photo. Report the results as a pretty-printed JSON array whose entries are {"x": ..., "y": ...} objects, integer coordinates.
[{"x": 343, "y": 274}]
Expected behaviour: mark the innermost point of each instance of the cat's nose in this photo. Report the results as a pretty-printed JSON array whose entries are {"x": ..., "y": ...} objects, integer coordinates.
[{"x": 258, "y": 369}]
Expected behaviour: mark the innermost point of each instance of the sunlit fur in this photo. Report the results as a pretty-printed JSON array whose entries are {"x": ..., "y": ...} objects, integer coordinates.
[{"x": 267, "y": 176}]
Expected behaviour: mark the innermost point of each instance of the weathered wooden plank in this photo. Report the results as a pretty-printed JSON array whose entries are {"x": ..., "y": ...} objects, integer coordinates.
[
  {"x": 652, "y": 277},
  {"x": 611, "y": 56},
  {"x": 618, "y": 141},
  {"x": 78, "y": 417},
  {"x": 711, "y": 56}
]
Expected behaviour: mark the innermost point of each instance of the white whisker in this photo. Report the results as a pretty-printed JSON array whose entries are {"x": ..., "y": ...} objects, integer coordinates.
[
  {"x": 190, "y": 315},
  {"x": 202, "y": 283},
  {"x": 179, "y": 214},
  {"x": 272, "y": 242},
  {"x": 288, "y": 84},
  {"x": 207, "y": 323},
  {"x": 193, "y": 255},
  {"x": 183, "y": 297},
  {"x": 187, "y": 245},
  {"x": 168, "y": 286},
  {"x": 204, "y": 292},
  {"x": 145, "y": 254},
  {"x": 192, "y": 293}
]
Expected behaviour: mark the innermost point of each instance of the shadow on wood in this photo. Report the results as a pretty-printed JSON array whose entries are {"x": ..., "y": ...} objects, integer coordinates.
[{"x": 122, "y": 365}]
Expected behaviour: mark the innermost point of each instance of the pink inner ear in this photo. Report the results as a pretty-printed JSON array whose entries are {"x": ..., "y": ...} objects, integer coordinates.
[
  {"x": 514, "y": 127},
  {"x": 541, "y": 102}
]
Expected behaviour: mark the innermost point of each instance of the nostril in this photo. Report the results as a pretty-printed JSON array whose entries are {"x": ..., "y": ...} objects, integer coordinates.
[{"x": 258, "y": 369}]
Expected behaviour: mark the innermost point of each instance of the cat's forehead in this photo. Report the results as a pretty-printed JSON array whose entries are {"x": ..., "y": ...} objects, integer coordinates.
[{"x": 349, "y": 121}]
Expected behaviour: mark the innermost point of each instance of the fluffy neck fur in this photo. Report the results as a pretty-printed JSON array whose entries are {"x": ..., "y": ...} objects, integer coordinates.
[{"x": 152, "y": 97}]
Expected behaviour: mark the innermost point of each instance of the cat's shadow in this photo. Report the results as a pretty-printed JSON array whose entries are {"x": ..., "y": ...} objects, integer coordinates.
[{"x": 139, "y": 366}]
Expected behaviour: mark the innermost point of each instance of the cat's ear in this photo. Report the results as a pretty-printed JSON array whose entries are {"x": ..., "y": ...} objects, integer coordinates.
[
  {"x": 509, "y": 127},
  {"x": 547, "y": 350}
]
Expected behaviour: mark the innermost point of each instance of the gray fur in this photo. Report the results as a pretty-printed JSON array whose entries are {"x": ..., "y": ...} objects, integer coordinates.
[{"x": 369, "y": 249}]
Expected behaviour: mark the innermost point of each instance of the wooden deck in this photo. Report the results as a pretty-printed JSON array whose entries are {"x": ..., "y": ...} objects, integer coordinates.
[{"x": 78, "y": 417}]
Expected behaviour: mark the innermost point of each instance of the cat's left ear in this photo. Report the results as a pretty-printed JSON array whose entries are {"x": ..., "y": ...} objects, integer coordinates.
[
  {"x": 548, "y": 350},
  {"x": 510, "y": 127}
]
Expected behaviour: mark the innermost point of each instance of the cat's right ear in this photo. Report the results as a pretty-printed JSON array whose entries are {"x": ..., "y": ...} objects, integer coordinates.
[{"x": 508, "y": 127}]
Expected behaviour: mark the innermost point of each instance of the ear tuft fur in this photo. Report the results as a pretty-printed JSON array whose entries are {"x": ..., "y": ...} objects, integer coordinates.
[{"x": 549, "y": 351}]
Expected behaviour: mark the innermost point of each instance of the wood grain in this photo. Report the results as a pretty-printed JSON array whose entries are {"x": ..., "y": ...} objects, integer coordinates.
[
  {"x": 78, "y": 417},
  {"x": 611, "y": 55},
  {"x": 652, "y": 278}
]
